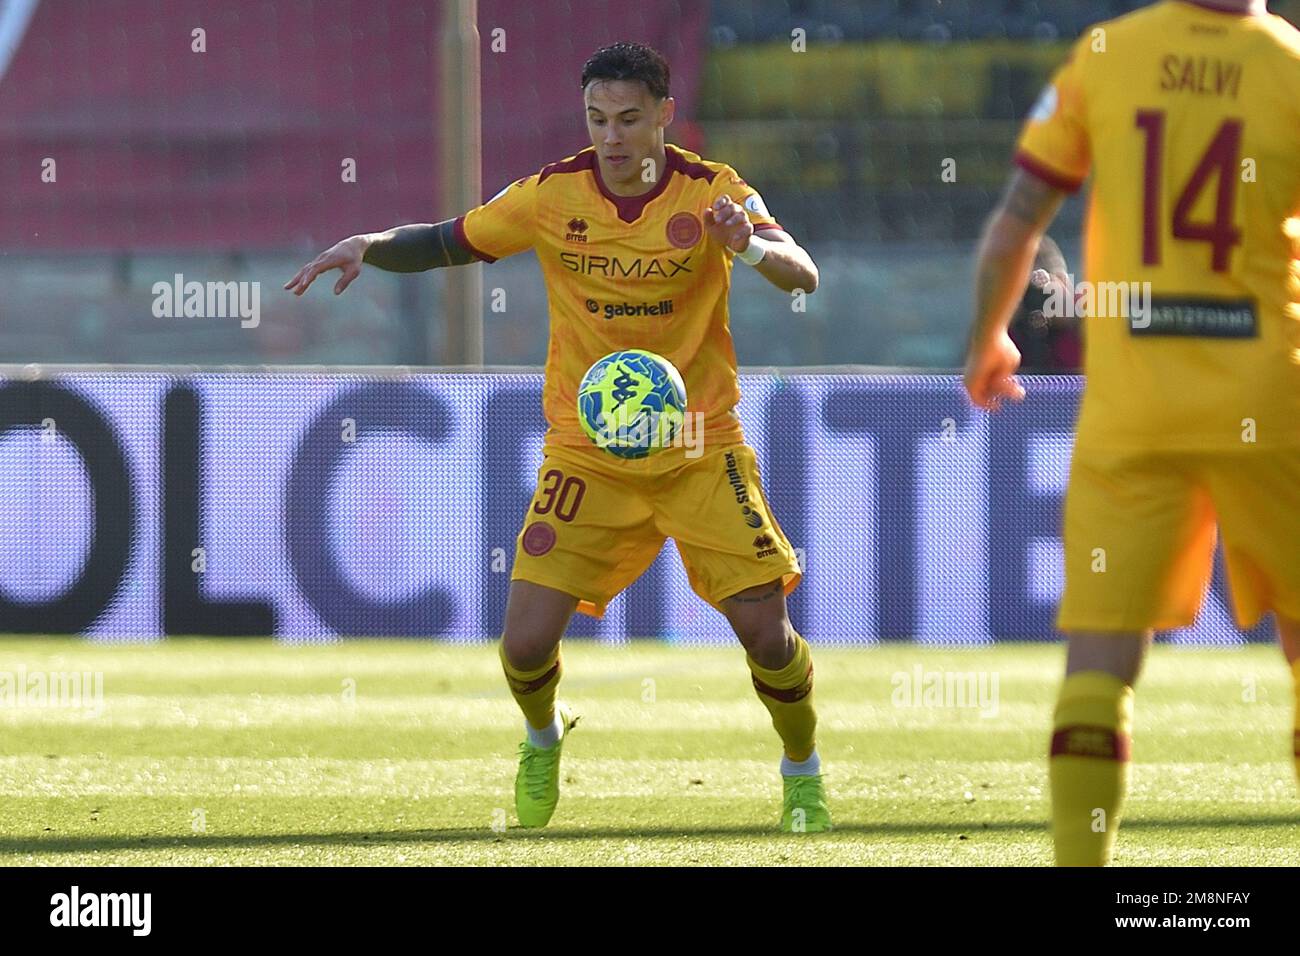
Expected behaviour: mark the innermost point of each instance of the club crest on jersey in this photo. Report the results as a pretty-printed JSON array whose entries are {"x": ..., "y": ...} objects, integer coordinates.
[{"x": 684, "y": 230}]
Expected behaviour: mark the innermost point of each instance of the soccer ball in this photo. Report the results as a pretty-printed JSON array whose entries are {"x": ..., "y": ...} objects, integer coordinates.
[{"x": 632, "y": 403}]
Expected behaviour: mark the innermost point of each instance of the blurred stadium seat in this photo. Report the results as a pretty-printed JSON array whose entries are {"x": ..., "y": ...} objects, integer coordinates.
[{"x": 226, "y": 164}]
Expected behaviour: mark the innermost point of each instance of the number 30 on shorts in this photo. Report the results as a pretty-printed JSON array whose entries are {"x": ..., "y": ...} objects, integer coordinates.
[{"x": 563, "y": 494}]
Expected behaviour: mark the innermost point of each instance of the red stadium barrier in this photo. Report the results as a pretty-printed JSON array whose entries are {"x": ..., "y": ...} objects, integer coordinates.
[{"x": 241, "y": 146}]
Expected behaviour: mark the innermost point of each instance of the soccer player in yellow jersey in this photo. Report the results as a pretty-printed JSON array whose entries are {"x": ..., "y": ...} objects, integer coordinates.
[
  {"x": 636, "y": 240},
  {"x": 1187, "y": 116}
]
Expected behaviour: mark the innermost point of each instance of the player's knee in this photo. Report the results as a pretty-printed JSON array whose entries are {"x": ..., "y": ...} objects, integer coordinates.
[
  {"x": 536, "y": 617},
  {"x": 527, "y": 648},
  {"x": 768, "y": 641},
  {"x": 1120, "y": 653}
]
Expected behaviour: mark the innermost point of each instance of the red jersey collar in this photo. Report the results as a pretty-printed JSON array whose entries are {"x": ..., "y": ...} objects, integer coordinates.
[{"x": 630, "y": 207}]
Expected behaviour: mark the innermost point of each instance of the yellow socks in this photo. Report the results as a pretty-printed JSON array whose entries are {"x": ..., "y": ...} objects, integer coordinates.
[
  {"x": 787, "y": 695},
  {"x": 534, "y": 690},
  {"x": 1295, "y": 688},
  {"x": 1089, "y": 766}
]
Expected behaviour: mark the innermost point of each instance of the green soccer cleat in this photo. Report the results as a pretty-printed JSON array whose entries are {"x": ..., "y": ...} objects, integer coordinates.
[
  {"x": 804, "y": 809},
  {"x": 537, "y": 784}
]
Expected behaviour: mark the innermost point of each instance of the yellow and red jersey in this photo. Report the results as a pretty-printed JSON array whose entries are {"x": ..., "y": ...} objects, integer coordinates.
[
  {"x": 1188, "y": 120},
  {"x": 626, "y": 272}
]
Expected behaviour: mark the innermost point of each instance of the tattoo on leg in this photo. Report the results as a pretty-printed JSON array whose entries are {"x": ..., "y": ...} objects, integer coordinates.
[{"x": 774, "y": 590}]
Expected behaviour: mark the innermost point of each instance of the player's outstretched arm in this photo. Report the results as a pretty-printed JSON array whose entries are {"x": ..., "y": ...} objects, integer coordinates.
[
  {"x": 1005, "y": 257},
  {"x": 413, "y": 248},
  {"x": 784, "y": 262}
]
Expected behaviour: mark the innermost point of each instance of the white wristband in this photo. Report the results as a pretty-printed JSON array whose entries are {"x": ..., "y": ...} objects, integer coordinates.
[{"x": 754, "y": 252}]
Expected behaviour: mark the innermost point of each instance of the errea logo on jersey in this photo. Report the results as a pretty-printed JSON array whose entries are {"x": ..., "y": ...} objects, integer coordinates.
[{"x": 577, "y": 230}]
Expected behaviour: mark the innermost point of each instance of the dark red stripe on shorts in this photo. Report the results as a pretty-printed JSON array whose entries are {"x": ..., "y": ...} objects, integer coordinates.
[{"x": 1085, "y": 741}]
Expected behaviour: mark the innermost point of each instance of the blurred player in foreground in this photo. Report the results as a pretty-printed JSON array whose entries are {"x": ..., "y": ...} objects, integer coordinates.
[
  {"x": 1188, "y": 117},
  {"x": 636, "y": 240}
]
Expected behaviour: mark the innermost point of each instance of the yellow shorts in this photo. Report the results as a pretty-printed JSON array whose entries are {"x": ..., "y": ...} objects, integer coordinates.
[
  {"x": 596, "y": 523},
  {"x": 1140, "y": 534}
]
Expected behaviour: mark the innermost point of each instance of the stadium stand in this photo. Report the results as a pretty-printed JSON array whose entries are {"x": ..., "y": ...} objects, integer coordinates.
[{"x": 226, "y": 164}]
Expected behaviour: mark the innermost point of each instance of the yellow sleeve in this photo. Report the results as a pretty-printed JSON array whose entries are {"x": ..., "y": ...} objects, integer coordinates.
[
  {"x": 729, "y": 183},
  {"x": 1054, "y": 143},
  {"x": 504, "y": 225}
]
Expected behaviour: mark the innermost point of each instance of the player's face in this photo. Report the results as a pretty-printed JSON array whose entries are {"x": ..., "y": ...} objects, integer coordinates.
[{"x": 626, "y": 124}]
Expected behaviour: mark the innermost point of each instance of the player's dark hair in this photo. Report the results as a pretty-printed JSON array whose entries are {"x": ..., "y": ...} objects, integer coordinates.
[{"x": 629, "y": 61}]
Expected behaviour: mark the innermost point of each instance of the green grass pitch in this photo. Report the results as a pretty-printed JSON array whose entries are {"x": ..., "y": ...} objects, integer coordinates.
[{"x": 236, "y": 752}]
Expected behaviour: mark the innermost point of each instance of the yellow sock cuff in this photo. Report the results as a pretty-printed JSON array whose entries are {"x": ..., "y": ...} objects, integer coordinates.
[
  {"x": 527, "y": 681},
  {"x": 1295, "y": 673},
  {"x": 789, "y": 683},
  {"x": 1094, "y": 717}
]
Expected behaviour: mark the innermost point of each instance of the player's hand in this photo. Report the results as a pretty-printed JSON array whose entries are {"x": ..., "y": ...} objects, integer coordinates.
[
  {"x": 346, "y": 256},
  {"x": 990, "y": 373},
  {"x": 728, "y": 224}
]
